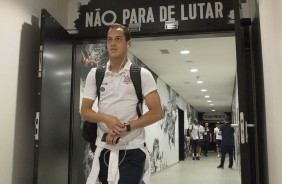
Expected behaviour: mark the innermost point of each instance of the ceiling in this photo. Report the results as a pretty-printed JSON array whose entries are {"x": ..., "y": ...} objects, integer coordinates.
[{"x": 214, "y": 57}]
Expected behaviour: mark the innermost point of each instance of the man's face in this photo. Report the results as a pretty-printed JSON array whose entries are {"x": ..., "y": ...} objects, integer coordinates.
[{"x": 116, "y": 43}]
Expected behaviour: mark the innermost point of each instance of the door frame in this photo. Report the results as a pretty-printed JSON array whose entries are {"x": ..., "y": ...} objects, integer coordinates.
[
  {"x": 181, "y": 134},
  {"x": 259, "y": 170},
  {"x": 251, "y": 95}
]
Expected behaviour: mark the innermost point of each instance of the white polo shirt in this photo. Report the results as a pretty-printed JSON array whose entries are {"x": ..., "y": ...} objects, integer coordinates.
[
  {"x": 201, "y": 131},
  {"x": 217, "y": 136},
  {"x": 194, "y": 131},
  {"x": 118, "y": 98}
]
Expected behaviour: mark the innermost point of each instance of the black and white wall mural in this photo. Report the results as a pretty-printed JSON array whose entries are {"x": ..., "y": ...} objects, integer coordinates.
[
  {"x": 170, "y": 117},
  {"x": 88, "y": 55}
]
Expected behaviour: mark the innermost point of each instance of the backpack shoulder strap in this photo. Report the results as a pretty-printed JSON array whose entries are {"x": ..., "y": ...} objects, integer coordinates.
[
  {"x": 100, "y": 73},
  {"x": 135, "y": 75}
]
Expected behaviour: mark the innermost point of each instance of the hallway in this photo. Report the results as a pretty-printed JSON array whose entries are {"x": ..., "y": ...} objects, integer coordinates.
[{"x": 198, "y": 172}]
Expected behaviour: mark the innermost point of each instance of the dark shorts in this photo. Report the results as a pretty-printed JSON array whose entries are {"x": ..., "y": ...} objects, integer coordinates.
[
  {"x": 194, "y": 143},
  {"x": 201, "y": 143},
  {"x": 131, "y": 166},
  {"x": 218, "y": 142}
]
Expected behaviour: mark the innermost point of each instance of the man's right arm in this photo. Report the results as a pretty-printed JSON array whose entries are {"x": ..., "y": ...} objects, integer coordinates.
[
  {"x": 87, "y": 113},
  {"x": 114, "y": 125}
]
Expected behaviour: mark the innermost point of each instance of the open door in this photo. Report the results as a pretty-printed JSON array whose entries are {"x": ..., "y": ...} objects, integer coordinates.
[
  {"x": 53, "y": 116},
  {"x": 181, "y": 134},
  {"x": 247, "y": 99}
]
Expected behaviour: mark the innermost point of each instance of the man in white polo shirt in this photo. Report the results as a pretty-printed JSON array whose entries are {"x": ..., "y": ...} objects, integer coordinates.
[
  {"x": 217, "y": 138},
  {"x": 194, "y": 131},
  {"x": 122, "y": 162}
]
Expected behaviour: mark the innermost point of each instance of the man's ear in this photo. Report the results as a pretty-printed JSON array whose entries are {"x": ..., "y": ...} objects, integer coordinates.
[{"x": 128, "y": 43}]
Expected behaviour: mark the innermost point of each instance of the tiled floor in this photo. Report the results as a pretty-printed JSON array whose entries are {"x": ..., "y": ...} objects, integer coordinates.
[{"x": 202, "y": 171}]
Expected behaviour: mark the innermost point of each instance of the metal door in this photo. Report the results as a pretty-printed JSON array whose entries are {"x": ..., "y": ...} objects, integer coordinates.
[
  {"x": 250, "y": 150},
  {"x": 53, "y": 116}
]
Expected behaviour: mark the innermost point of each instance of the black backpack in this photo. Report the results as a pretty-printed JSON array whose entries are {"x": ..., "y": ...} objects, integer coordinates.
[{"x": 89, "y": 130}]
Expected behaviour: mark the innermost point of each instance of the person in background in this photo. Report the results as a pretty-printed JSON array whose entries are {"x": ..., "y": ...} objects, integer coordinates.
[
  {"x": 117, "y": 119},
  {"x": 207, "y": 139},
  {"x": 227, "y": 144},
  {"x": 194, "y": 139},
  {"x": 201, "y": 139},
  {"x": 217, "y": 138}
]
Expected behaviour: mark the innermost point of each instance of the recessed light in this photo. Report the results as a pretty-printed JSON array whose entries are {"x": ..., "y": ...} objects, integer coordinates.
[
  {"x": 209, "y": 101},
  {"x": 200, "y": 82},
  {"x": 203, "y": 90},
  {"x": 207, "y": 96},
  {"x": 184, "y": 52},
  {"x": 194, "y": 70}
]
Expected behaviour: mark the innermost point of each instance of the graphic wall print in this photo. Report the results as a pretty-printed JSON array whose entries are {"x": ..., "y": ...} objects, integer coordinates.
[
  {"x": 187, "y": 147},
  {"x": 157, "y": 157},
  {"x": 88, "y": 55},
  {"x": 170, "y": 116}
]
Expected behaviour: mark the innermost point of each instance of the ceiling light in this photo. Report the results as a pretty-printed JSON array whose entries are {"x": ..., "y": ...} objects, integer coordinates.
[
  {"x": 184, "y": 52},
  {"x": 209, "y": 101},
  {"x": 194, "y": 70},
  {"x": 203, "y": 90},
  {"x": 207, "y": 96},
  {"x": 200, "y": 82},
  {"x": 213, "y": 110},
  {"x": 210, "y": 104}
]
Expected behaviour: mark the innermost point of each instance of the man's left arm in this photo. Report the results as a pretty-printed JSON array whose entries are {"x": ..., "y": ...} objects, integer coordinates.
[
  {"x": 153, "y": 115},
  {"x": 220, "y": 131}
]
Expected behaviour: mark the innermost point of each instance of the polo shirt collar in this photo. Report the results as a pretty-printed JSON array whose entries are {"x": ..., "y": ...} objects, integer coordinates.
[{"x": 125, "y": 68}]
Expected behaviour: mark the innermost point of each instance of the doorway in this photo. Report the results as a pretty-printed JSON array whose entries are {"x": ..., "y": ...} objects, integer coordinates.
[
  {"x": 173, "y": 73},
  {"x": 215, "y": 58}
]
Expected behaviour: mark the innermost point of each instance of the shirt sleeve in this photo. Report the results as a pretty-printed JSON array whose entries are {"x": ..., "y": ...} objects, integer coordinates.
[
  {"x": 90, "y": 88},
  {"x": 202, "y": 130},
  {"x": 148, "y": 82},
  {"x": 190, "y": 127}
]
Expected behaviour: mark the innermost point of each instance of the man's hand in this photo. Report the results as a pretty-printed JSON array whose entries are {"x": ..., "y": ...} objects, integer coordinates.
[
  {"x": 116, "y": 128},
  {"x": 113, "y": 140}
]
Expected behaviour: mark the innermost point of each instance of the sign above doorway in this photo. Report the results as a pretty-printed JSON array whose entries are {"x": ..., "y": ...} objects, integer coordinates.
[{"x": 151, "y": 17}]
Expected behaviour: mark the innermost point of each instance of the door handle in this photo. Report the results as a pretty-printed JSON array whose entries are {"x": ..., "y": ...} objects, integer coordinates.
[
  {"x": 244, "y": 125},
  {"x": 246, "y": 128},
  {"x": 250, "y": 125},
  {"x": 235, "y": 125},
  {"x": 242, "y": 128}
]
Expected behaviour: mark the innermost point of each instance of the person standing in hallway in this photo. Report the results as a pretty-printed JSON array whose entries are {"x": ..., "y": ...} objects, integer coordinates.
[
  {"x": 127, "y": 160},
  {"x": 201, "y": 139},
  {"x": 207, "y": 139},
  {"x": 217, "y": 139},
  {"x": 227, "y": 144},
  {"x": 194, "y": 139}
]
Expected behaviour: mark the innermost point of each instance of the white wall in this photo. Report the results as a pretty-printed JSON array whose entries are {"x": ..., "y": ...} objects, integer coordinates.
[
  {"x": 271, "y": 26},
  {"x": 19, "y": 39}
]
